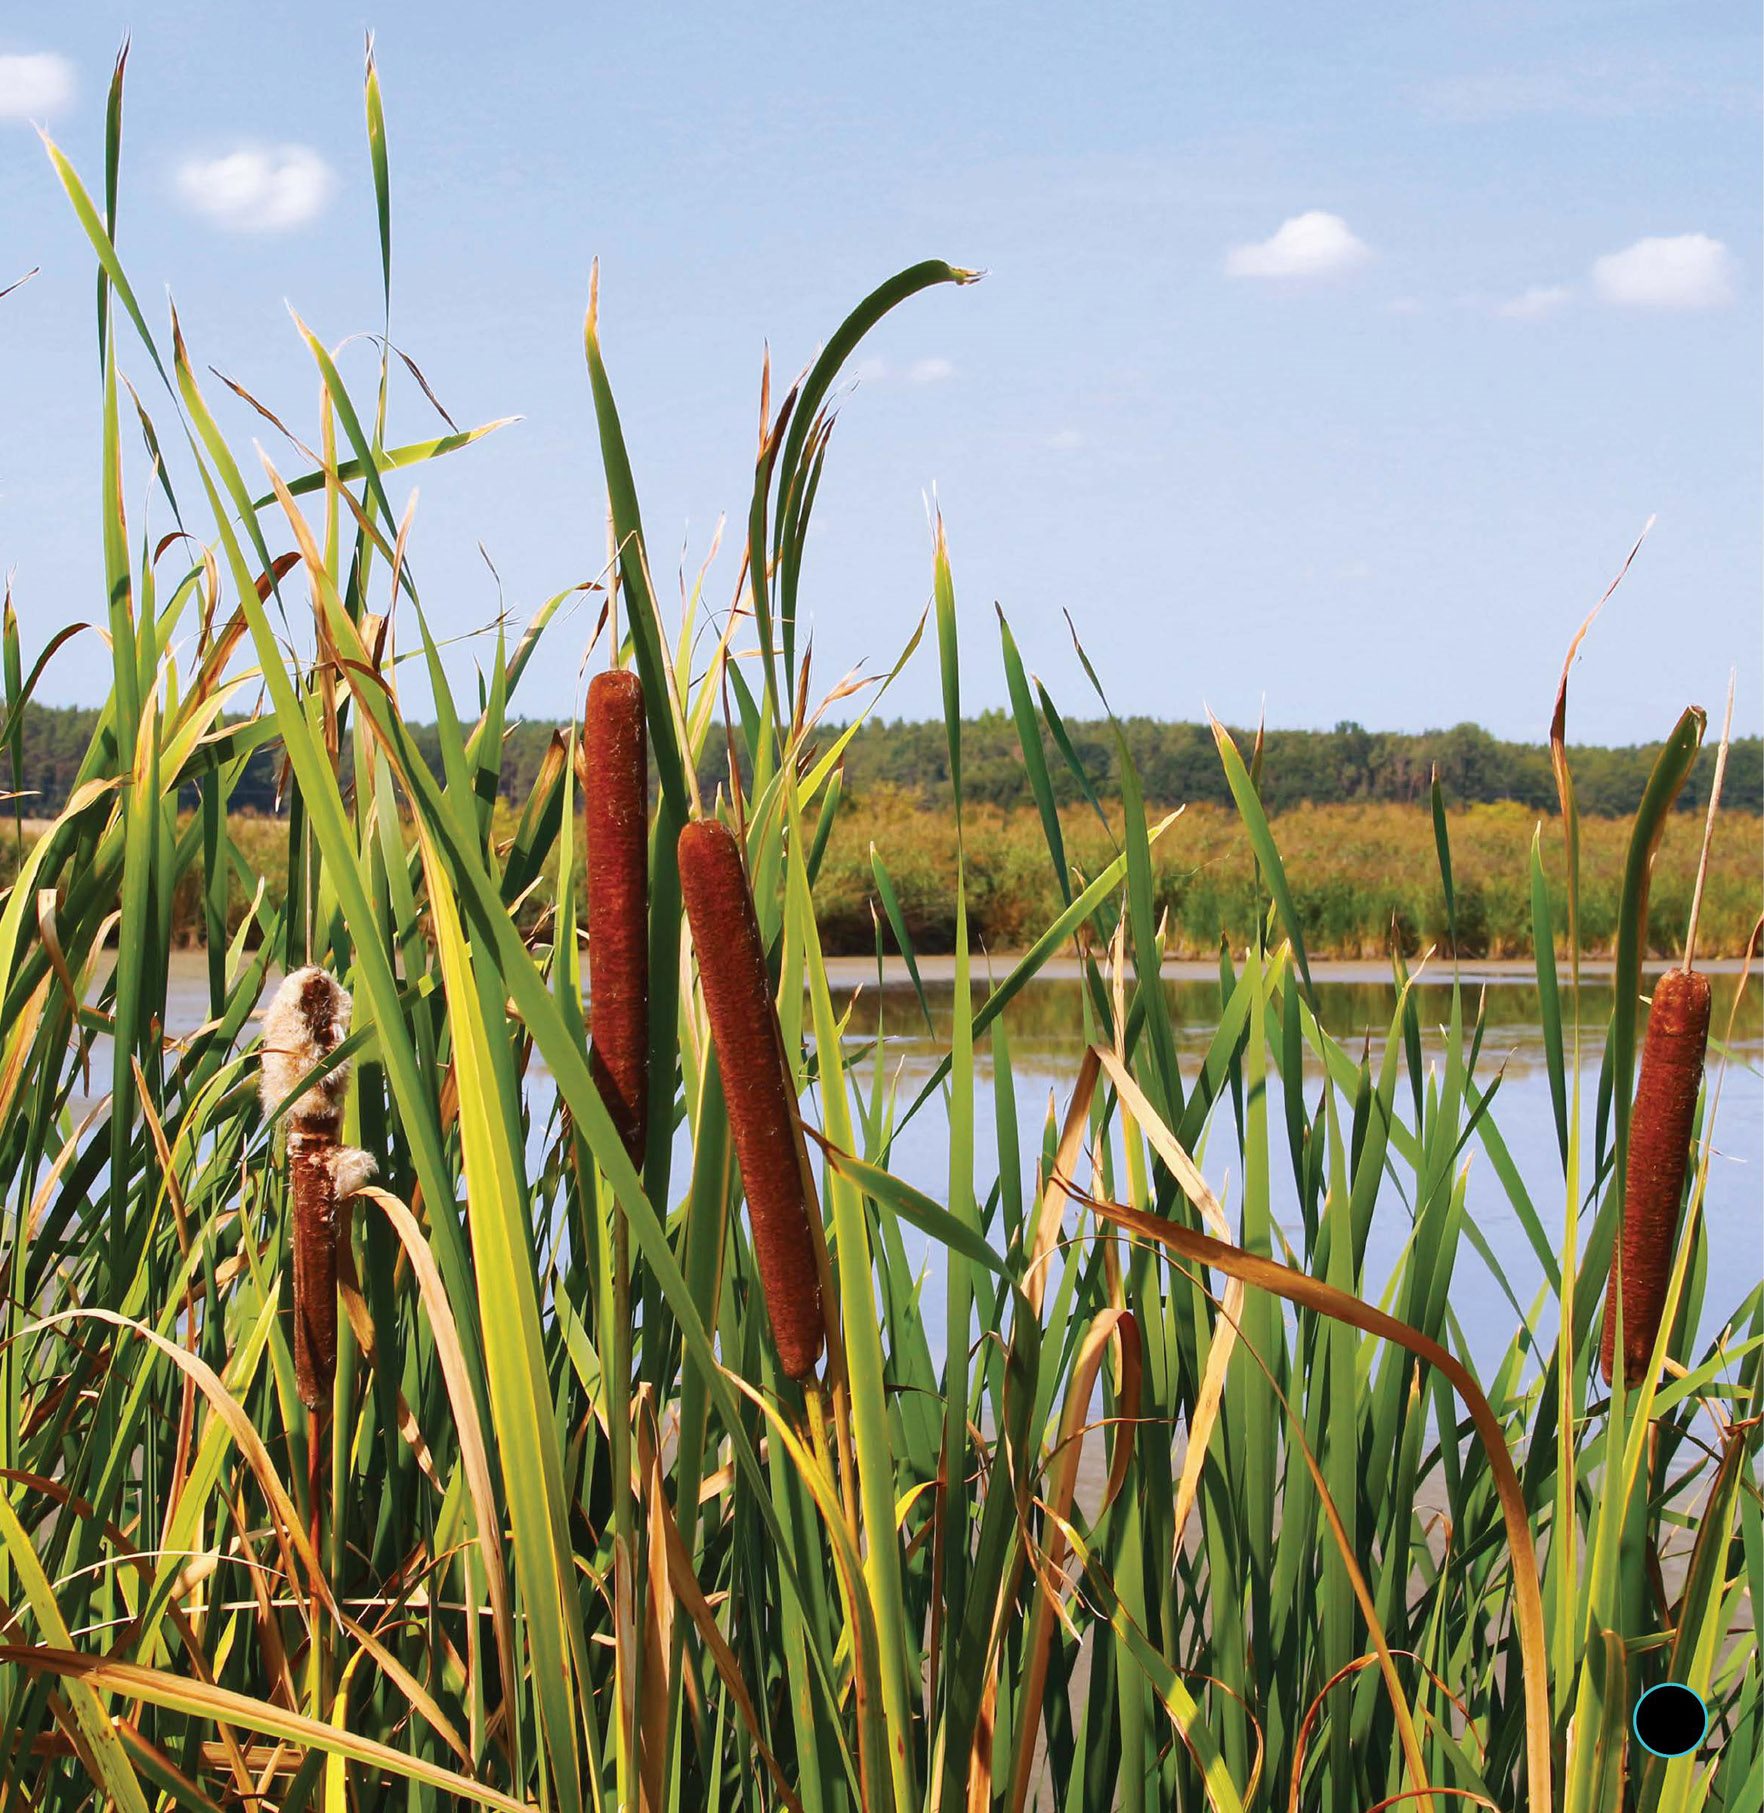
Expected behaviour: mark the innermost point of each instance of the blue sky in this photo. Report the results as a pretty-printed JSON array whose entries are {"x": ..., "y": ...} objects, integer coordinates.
[{"x": 1329, "y": 356}]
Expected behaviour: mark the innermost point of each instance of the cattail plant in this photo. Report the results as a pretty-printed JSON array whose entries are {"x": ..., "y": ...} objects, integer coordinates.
[
  {"x": 616, "y": 790},
  {"x": 1659, "y": 1143},
  {"x": 305, "y": 1023},
  {"x": 744, "y": 1030},
  {"x": 1660, "y": 1136}
]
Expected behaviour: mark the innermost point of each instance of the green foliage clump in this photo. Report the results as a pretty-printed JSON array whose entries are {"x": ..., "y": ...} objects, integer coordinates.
[{"x": 1365, "y": 878}]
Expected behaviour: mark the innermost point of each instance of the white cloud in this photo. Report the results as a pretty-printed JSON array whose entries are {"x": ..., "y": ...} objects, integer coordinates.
[
  {"x": 1535, "y": 303},
  {"x": 1065, "y": 440},
  {"x": 256, "y": 189},
  {"x": 1688, "y": 271},
  {"x": 873, "y": 369},
  {"x": 1314, "y": 244},
  {"x": 34, "y": 85}
]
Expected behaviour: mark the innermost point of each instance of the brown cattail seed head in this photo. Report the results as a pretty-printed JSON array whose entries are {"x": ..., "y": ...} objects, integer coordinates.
[
  {"x": 307, "y": 1020},
  {"x": 315, "y": 1264},
  {"x": 1659, "y": 1147},
  {"x": 743, "y": 1023},
  {"x": 616, "y": 790}
]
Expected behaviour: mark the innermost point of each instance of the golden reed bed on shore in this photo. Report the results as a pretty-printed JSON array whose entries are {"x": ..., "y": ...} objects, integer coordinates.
[{"x": 1358, "y": 872}]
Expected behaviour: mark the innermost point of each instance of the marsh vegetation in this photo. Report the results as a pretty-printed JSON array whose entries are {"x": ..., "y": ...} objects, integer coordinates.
[{"x": 557, "y": 1524}]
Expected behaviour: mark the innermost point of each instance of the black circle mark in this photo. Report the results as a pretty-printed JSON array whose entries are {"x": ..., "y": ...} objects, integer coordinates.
[{"x": 1670, "y": 1720}]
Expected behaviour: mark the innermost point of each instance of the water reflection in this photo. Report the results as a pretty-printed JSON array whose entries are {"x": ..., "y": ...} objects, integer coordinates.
[
  {"x": 1046, "y": 1020},
  {"x": 1046, "y": 1028}
]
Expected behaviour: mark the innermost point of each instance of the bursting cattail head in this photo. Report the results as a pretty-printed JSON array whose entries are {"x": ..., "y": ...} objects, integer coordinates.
[
  {"x": 303, "y": 1025},
  {"x": 1659, "y": 1149},
  {"x": 761, "y": 1101},
  {"x": 351, "y": 1169}
]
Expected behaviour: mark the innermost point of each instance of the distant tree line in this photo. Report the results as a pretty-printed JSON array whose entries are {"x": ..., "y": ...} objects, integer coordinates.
[
  {"x": 1179, "y": 762},
  {"x": 1175, "y": 762}
]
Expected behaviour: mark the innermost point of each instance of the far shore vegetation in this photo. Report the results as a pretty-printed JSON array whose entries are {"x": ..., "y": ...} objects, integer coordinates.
[
  {"x": 1176, "y": 763},
  {"x": 1364, "y": 871}
]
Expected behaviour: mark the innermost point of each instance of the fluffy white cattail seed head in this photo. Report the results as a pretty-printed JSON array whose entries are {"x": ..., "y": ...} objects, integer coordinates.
[
  {"x": 304, "y": 1024},
  {"x": 351, "y": 1168}
]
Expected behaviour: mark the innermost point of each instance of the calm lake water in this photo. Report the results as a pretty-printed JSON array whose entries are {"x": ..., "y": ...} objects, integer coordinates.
[{"x": 1356, "y": 1002}]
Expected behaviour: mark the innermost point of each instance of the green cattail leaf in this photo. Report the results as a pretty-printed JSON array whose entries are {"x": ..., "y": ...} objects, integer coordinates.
[{"x": 1671, "y": 770}]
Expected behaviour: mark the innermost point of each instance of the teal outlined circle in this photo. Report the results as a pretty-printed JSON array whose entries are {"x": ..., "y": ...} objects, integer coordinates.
[{"x": 1678, "y": 1693}]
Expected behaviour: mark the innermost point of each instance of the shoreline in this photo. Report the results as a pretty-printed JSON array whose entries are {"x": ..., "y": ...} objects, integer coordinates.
[
  {"x": 853, "y": 972},
  {"x": 990, "y": 969}
]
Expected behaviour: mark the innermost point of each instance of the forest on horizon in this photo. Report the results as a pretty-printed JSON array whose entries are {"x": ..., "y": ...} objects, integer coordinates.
[{"x": 1177, "y": 763}]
